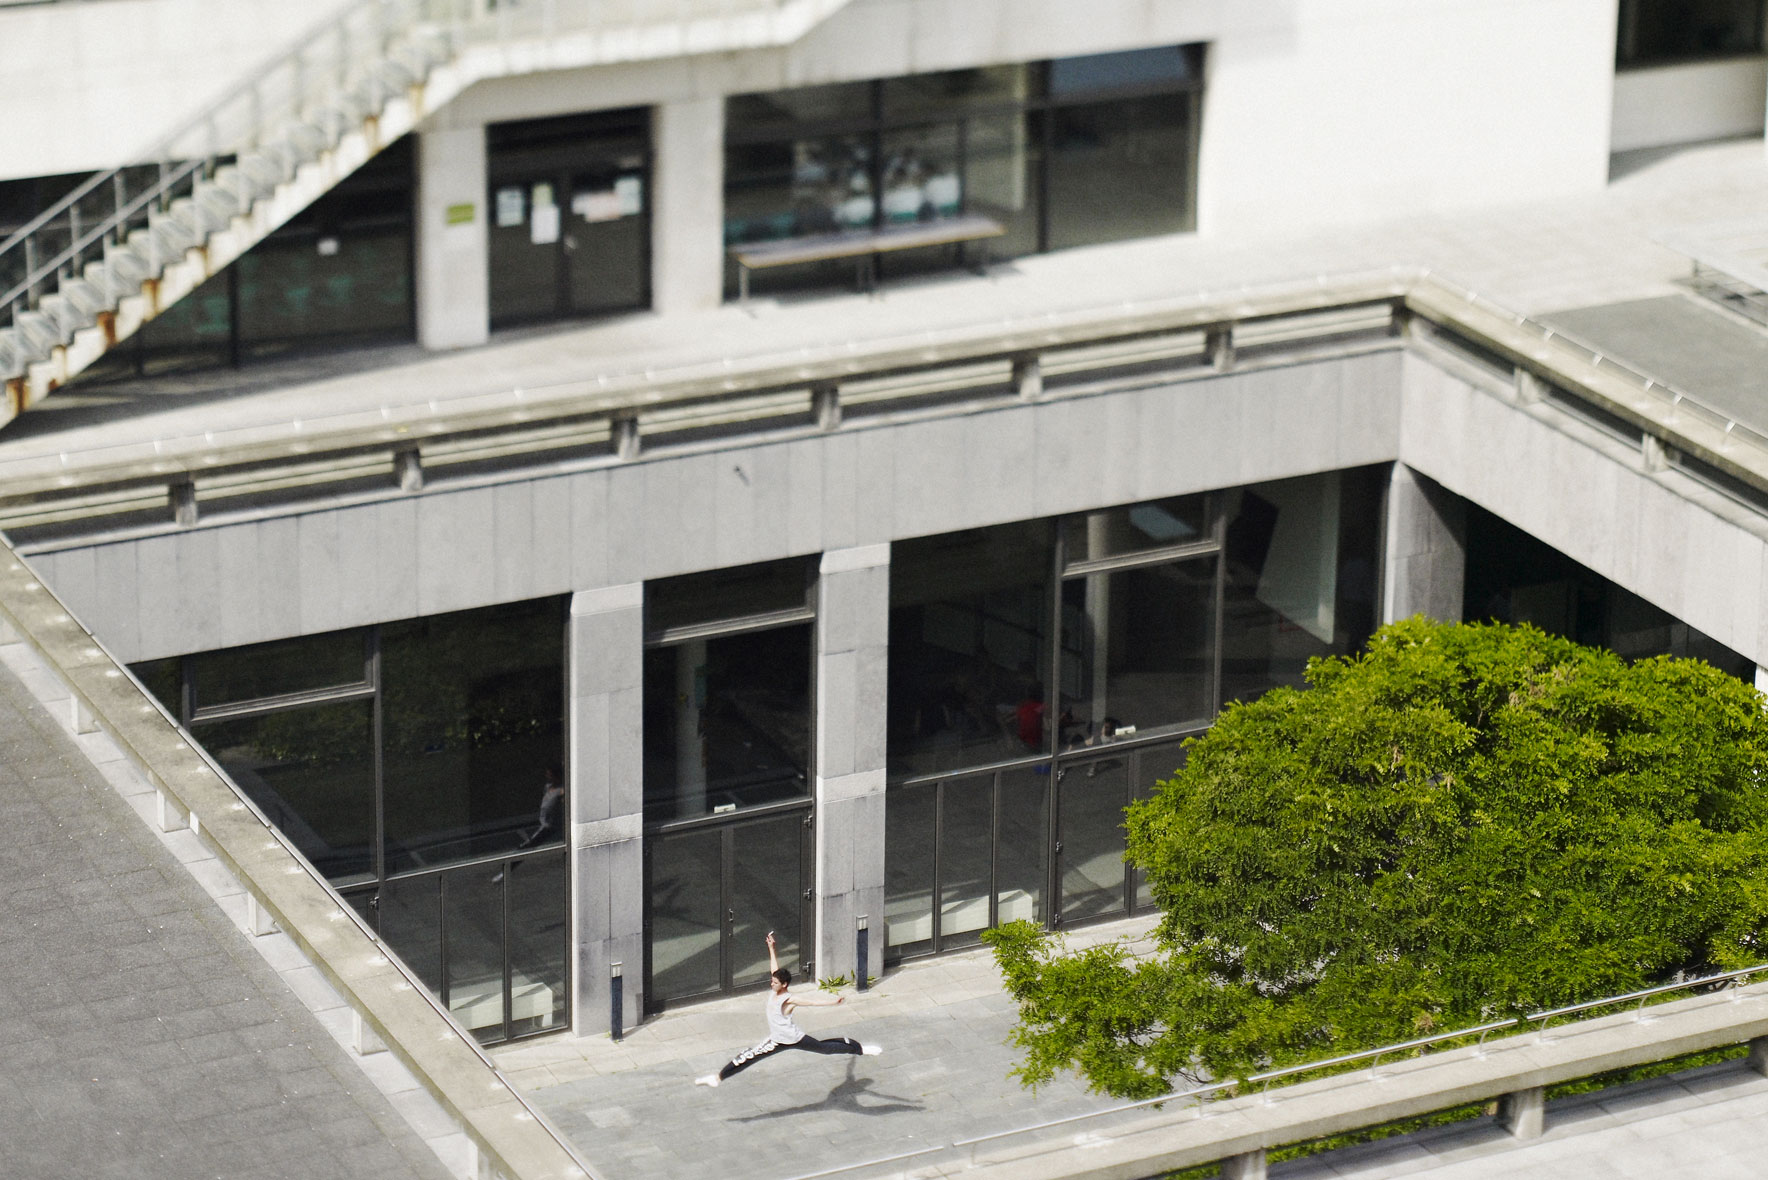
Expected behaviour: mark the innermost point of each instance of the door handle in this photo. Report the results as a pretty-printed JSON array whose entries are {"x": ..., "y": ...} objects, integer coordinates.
[{"x": 730, "y": 915}]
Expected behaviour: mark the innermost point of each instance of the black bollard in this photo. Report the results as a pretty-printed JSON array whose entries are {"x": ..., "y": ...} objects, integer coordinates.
[
  {"x": 861, "y": 945},
  {"x": 616, "y": 986}
]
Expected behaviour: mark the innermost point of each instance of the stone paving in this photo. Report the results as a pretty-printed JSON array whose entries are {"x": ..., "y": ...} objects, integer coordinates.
[
  {"x": 634, "y": 1112},
  {"x": 141, "y": 1035}
]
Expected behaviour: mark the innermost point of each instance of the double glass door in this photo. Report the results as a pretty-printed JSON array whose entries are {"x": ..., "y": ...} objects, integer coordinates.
[
  {"x": 569, "y": 218},
  {"x": 714, "y": 889},
  {"x": 1093, "y": 879}
]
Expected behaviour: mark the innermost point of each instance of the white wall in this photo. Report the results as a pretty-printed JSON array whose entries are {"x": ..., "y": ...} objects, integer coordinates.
[
  {"x": 1317, "y": 112},
  {"x": 1689, "y": 103},
  {"x": 1344, "y": 110},
  {"x": 83, "y": 86}
]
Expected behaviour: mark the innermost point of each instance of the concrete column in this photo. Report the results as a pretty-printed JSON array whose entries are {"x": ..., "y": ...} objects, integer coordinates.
[
  {"x": 852, "y": 634},
  {"x": 1426, "y": 558},
  {"x": 1759, "y": 1055},
  {"x": 1762, "y": 680},
  {"x": 687, "y": 205},
  {"x": 453, "y": 282},
  {"x": 605, "y": 660},
  {"x": 1524, "y": 1113},
  {"x": 1248, "y": 1166}
]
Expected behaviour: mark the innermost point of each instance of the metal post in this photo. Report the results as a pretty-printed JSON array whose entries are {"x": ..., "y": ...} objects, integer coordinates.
[
  {"x": 862, "y": 943},
  {"x": 616, "y": 986}
]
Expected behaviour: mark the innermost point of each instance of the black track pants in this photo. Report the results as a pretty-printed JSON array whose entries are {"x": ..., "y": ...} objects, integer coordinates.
[{"x": 748, "y": 1057}]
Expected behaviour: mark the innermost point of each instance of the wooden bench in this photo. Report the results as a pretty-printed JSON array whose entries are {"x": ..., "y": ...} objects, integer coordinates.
[{"x": 863, "y": 246}]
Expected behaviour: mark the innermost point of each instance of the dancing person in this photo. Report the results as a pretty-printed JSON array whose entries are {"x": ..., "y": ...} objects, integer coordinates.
[{"x": 782, "y": 1031}]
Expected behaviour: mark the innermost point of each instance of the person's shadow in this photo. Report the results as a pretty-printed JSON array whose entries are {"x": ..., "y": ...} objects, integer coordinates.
[{"x": 845, "y": 1096}]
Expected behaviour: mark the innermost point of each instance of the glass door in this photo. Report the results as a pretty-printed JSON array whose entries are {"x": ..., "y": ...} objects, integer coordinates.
[
  {"x": 713, "y": 892},
  {"x": 606, "y": 238}
]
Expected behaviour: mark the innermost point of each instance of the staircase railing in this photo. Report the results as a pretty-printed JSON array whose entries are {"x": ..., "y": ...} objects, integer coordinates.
[
  {"x": 340, "y": 65},
  {"x": 336, "y": 64}
]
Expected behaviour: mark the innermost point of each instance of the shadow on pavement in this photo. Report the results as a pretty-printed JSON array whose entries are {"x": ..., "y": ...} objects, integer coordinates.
[{"x": 845, "y": 1096}]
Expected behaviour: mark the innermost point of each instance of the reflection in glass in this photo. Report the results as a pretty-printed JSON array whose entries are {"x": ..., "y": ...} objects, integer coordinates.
[
  {"x": 784, "y": 109},
  {"x": 1135, "y": 528},
  {"x": 1137, "y": 649},
  {"x": 1021, "y": 850},
  {"x": 1658, "y": 31},
  {"x": 282, "y": 668},
  {"x": 472, "y": 719},
  {"x": 538, "y": 940},
  {"x": 969, "y": 648},
  {"x": 686, "y": 918},
  {"x": 1000, "y": 179},
  {"x": 311, "y": 771},
  {"x": 956, "y": 90},
  {"x": 1091, "y": 797},
  {"x": 410, "y": 916},
  {"x": 716, "y": 595},
  {"x": 908, "y": 868},
  {"x": 966, "y": 842},
  {"x": 921, "y": 179},
  {"x": 1119, "y": 170},
  {"x": 1154, "y": 765},
  {"x": 767, "y": 885},
  {"x": 1301, "y": 576},
  {"x": 797, "y": 188},
  {"x": 1163, "y": 66},
  {"x": 727, "y": 722},
  {"x": 472, "y": 914}
]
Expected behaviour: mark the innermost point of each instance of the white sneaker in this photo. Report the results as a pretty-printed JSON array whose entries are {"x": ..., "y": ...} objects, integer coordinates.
[
  {"x": 710, "y": 1079},
  {"x": 871, "y": 1050}
]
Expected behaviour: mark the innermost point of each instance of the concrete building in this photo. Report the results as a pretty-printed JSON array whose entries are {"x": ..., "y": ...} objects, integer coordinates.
[{"x": 526, "y": 419}]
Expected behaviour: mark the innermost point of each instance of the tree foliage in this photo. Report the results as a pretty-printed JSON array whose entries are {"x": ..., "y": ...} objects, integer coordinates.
[{"x": 1461, "y": 823}]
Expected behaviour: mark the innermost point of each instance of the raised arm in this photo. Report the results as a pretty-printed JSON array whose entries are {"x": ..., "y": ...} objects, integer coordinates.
[{"x": 773, "y": 959}]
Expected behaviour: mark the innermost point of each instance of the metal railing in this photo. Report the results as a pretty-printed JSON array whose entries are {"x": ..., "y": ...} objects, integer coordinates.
[
  {"x": 52, "y": 643},
  {"x": 336, "y": 70},
  {"x": 1201, "y": 1094}
]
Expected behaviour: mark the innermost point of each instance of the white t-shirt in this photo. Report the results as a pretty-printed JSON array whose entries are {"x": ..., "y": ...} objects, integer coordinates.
[{"x": 781, "y": 1028}]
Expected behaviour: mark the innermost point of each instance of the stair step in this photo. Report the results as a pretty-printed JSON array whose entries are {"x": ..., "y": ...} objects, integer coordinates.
[
  {"x": 127, "y": 268},
  {"x": 39, "y": 333},
  {"x": 88, "y": 297},
  {"x": 67, "y": 316},
  {"x": 195, "y": 219},
  {"x": 310, "y": 141},
  {"x": 14, "y": 358}
]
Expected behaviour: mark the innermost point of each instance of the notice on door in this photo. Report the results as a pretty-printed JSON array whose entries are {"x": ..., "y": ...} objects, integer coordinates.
[
  {"x": 511, "y": 206},
  {"x": 543, "y": 221},
  {"x": 597, "y": 206}
]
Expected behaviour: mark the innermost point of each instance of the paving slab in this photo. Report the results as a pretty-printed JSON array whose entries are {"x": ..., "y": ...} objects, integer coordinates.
[{"x": 141, "y": 1036}]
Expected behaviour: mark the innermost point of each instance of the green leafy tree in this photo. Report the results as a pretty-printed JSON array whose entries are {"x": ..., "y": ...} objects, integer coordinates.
[{"x": 1463, "y": 822}]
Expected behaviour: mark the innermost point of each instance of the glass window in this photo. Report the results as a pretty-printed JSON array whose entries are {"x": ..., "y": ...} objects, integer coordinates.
[
  {"x": 784, "y": 109},
  {"x": 1023, "y": 843},
  {"x": 538, "y": 941},
  {"x": 472, "y": 728},
  {"x": 1001, "y": 168},
  {"x": 908, "y": 868},
  {"x": 472, "y": 913},
  {"x": 956, "y": 90},
  {"x": 1119, "y": 170},
  {"x": 969, "y": 648},
  {"x": 720, "y": 595},
  {"x": 1164, "y": 68},
  {"x": 1138, "y": 648},
  {"x": 164, "y": 679},
  {"x": 1136, "y": 528},
  {"x": 727, "y": 722},
  {"x": 282, "y": 668},
  {"x": 766, "y": 893},
  {"x": 921, "y": 176},
  {"x": 966, "y": 858},
  {"x": 1091, "y": 796},
  {"x": 1301, "y": 576},
  {"x": 686, "y": 913},
  {"x": 1654, "y": 31},
  {"x": 311, "y": 771}
]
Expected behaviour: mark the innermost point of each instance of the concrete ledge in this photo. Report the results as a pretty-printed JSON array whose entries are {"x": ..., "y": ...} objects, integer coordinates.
[
  {"x": 1522, "y": 1065},
  {"x": 508, "y": 1138}
]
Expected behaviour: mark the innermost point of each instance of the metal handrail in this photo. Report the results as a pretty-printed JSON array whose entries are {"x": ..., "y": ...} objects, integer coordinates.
[
  {"x": 1643, "y": 994},
  {"x": 327, "y": 59},
  {"x": 1482, "y": 1031}
]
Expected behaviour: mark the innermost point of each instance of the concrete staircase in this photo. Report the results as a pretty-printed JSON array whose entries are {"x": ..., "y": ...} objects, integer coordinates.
[{"x": 86, "y": 273}]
